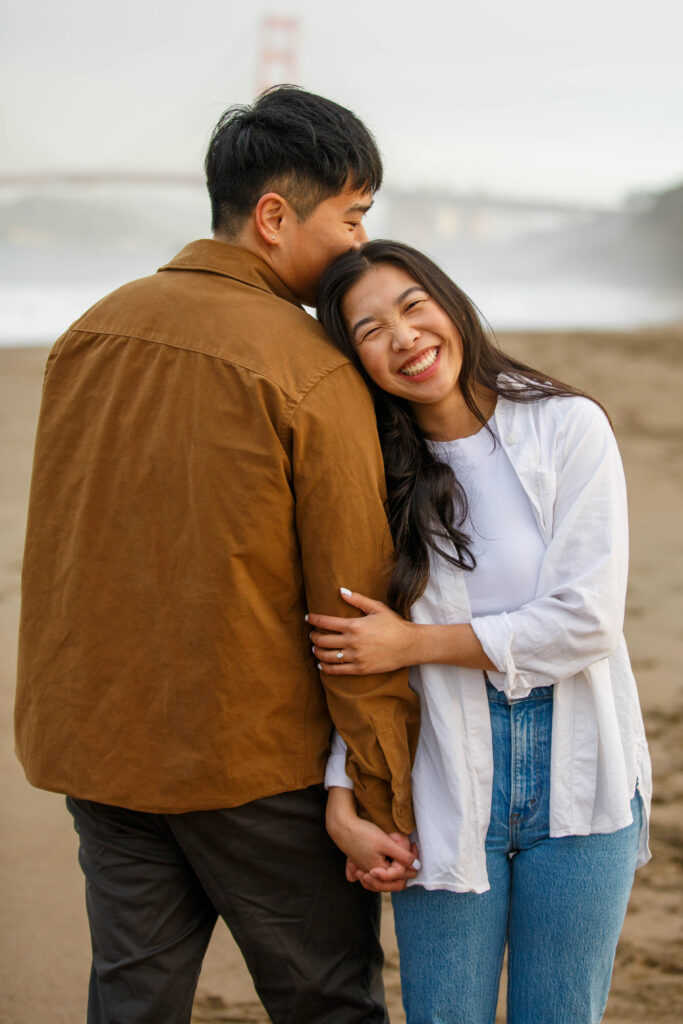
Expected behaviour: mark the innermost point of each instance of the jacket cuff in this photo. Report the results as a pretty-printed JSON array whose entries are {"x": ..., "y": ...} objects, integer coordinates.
[
  {"x": 385, "y": 799},
  {"x": 376, "y": 804}
]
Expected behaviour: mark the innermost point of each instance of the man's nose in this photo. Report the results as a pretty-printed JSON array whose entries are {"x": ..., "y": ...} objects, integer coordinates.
[{"x": 361, "y": 237}]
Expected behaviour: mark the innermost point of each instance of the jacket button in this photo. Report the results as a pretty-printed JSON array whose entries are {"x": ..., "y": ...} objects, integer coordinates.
[
  {"x": 511, "y": 439},
  {"x": 401, "y": 812}
]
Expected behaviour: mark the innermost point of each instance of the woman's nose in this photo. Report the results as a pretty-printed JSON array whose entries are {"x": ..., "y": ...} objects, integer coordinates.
[{"x": 404, "y": 337}]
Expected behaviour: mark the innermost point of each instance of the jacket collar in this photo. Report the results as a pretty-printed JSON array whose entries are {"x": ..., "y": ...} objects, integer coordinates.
[{"x": 232, "y": 261}]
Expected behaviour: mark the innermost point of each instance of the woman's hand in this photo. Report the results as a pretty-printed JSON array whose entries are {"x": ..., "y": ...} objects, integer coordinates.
[
  {"x": 380, "y": 641},
  {"x": 367, "y": 847},
  {"x": 392, "y": 877}
]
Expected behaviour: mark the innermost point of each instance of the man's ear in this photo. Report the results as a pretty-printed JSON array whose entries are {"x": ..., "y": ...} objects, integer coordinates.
[{"x": 269, "y": 214}]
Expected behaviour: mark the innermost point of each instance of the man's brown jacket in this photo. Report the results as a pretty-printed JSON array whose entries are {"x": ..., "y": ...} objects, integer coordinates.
[{"x": 206, "y": 470}]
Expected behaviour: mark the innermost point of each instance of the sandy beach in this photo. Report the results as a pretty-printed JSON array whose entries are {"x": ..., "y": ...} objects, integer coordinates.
[{"x": 44, "y": 962}]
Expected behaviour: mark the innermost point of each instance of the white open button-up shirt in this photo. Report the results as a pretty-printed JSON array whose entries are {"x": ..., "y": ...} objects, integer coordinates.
[{"x": 570, "y": 635}]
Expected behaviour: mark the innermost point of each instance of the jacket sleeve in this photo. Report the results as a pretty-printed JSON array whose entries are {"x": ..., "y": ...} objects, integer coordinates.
[
  {"x": 577, "y": 617},
  {"x": 338, "y": 480}
]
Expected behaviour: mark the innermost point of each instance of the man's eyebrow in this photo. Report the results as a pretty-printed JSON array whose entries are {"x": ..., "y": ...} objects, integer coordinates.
[
  {"x": 360, "y": 207},
  {"x": 399, "y": 300}
]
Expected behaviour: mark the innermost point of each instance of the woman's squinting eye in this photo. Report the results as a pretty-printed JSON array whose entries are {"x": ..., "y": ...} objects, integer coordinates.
[{"x": 367, "y": 334}]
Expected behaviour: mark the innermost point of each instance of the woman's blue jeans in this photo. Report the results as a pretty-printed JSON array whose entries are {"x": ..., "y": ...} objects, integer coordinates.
[{"x": 559, "y": 904}]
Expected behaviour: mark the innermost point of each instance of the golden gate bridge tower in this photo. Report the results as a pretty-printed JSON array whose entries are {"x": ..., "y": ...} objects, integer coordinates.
[{"x": 278, "y": 56}]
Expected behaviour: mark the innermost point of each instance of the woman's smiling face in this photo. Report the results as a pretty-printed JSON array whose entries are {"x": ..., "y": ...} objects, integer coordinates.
[{"x": 405, "y": 341}]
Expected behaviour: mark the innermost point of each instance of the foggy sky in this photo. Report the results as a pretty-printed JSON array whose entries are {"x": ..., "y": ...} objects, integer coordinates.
[{"x": 579, "y": 101}]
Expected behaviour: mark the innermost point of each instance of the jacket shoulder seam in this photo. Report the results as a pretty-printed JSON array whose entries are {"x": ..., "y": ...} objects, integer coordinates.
[
  {"x": 319, "y": 378},
  {"x": 211, "y": 355}
]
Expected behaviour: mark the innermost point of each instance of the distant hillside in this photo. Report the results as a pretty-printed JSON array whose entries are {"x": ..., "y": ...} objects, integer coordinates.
[{"x": 640, "y": 246}]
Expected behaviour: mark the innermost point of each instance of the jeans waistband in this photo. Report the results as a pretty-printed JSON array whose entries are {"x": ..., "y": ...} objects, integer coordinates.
[{"x": 499, "y": 697}]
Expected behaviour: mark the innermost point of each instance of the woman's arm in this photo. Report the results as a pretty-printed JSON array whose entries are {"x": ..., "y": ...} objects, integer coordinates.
[
  {"x": 577, "y": 617},
  {"x": 382, "y": 641}
]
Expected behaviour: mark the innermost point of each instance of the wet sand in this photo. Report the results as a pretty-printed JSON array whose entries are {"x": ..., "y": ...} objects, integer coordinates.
[{"x": 44, "y": 959}]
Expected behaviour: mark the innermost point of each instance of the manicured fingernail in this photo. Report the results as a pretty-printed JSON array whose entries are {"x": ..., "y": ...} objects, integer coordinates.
[
  {"x": 345, "y": 592},
  {"x": 305, "y": 618},
  {"x": 320, "y": 666},
  {"x": 416, "y": 864},
  {"x": 313, "y": 649}
]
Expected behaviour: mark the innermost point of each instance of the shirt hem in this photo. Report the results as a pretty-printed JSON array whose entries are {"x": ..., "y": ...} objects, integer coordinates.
[
  {"x": 213, "y": 803},
  {"x": 449, "y": 886}
]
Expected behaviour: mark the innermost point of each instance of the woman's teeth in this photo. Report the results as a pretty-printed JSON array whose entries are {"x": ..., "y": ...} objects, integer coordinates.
[{"x": 427, "y": 360}]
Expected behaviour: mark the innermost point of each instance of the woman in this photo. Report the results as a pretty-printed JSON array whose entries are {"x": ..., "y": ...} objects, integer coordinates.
[{"x": 531, "y": 781}]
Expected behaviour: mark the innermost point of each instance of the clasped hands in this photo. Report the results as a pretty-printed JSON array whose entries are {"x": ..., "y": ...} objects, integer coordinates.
[
  {"x": 381, "y": 862},
  {"x": 394, "y": 874}
]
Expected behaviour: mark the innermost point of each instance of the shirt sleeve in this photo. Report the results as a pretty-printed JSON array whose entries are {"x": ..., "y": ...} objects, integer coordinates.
[
  {"x": 335, "y": 771},
  {"x": 577, "y": 618},
  {"x": 338, "y": 480}
]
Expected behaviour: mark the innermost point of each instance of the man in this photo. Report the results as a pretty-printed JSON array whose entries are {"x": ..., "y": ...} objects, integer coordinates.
[{"x": 206, "y": 467}]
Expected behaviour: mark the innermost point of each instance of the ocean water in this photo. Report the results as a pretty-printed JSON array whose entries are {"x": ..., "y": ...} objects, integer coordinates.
[{"x": 36, "y": 314}]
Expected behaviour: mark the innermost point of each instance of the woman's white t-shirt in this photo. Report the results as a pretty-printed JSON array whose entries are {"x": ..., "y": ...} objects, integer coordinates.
[{"x": 504, "y": 535}]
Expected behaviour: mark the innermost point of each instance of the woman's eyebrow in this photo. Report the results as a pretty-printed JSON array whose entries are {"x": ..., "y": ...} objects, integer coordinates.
[
  {"x": 365, "y": 320},
  {"x": 399, "y": 300},
  {"x": 406, "y": 293}
]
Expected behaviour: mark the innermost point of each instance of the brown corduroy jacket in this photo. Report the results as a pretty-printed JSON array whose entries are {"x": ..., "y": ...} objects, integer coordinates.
[{"x": 206, "y": 469}]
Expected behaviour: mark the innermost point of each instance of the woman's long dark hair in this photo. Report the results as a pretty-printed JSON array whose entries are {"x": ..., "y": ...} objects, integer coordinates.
[{"x": 426, "y": 504}]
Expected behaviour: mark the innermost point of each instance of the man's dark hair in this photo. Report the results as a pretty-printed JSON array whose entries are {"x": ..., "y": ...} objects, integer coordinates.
[{"x": 302, "y": 146}]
